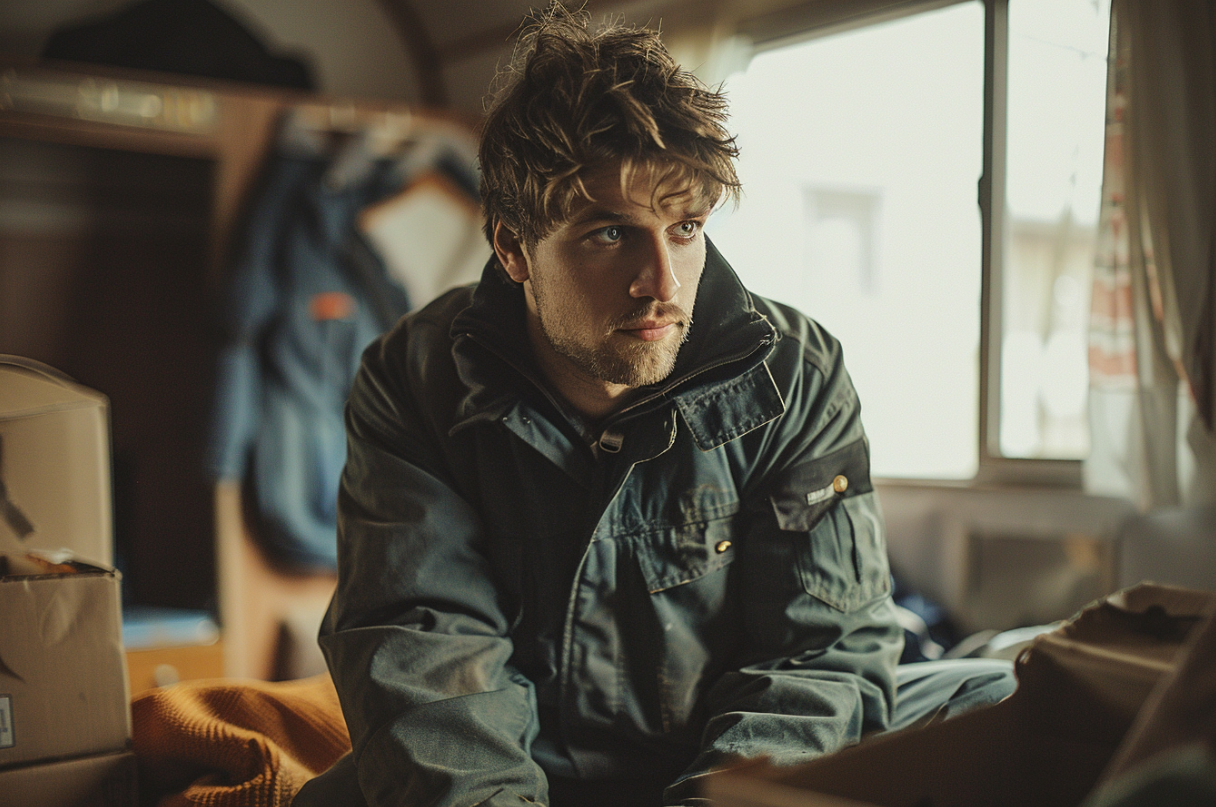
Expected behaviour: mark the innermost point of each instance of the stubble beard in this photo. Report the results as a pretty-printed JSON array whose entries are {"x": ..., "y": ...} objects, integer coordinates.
[{"x": 615, "y": 359}]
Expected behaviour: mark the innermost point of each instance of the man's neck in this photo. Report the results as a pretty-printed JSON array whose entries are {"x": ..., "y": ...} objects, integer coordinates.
[{"x": 593, "y": 398}]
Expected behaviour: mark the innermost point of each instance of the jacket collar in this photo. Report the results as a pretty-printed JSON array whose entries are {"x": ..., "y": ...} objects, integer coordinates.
[{"x": 720, "y": 383}]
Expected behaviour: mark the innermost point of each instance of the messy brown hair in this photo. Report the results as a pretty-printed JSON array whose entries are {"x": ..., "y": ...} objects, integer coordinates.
[{"x": 573, "y": 100}]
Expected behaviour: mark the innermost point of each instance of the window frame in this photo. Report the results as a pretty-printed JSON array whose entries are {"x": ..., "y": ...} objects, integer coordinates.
[{"x": 810, "y": 21}]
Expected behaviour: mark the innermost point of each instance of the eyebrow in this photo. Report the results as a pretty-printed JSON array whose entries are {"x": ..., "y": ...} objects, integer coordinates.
[
  {"x": 606, "y": 214},
  {"x": 601, "y": 214}
]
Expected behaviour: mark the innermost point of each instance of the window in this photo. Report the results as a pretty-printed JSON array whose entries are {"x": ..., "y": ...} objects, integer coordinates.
[
  {"x": 865, "y": 148},
  {"x": 841, "y": 227},
  {"x": 1054, "y": 140}
]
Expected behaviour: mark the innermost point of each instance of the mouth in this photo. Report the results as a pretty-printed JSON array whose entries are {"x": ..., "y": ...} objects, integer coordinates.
[{"x": 651, "y": 330}]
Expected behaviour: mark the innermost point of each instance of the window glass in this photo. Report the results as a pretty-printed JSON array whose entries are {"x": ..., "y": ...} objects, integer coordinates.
[
  {"x": 861, "y": 153},
  {"x": 1056, "y": 108}
]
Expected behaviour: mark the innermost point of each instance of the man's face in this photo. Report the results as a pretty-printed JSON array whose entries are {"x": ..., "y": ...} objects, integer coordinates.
[{"x": 611, "y": 290}]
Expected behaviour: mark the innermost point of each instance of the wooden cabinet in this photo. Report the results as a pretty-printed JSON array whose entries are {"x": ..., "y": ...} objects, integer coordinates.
[{"x": 161, "y": 666}]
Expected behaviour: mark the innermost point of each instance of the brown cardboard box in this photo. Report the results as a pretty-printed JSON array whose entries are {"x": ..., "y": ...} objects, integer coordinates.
[
  {"x": 54, "y": 462},
  {"x": 1079, "y": 690},
  {"x": 63, "y": 680},
  {"x": 1168, "y": 750},
  {"x": 98, "y": 780}
]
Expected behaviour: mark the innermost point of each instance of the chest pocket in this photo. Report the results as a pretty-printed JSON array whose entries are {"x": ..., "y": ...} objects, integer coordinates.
[
  {"x": 674, "y": 556},
  {"x": 829, "y": 509}
]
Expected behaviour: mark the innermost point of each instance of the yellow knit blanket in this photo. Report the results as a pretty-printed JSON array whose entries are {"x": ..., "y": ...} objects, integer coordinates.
[{"x": 224, "y": 743}]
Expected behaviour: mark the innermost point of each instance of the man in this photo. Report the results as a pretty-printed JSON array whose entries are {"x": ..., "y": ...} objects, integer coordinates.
[{"x": 606, "y": 521}]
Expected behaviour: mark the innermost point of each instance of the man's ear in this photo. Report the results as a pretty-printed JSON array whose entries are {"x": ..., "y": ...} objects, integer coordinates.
[{"x": 510, "y": 252}]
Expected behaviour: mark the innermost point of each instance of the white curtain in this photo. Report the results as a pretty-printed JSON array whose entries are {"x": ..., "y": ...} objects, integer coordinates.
[{"x": 1153, "y": 317}]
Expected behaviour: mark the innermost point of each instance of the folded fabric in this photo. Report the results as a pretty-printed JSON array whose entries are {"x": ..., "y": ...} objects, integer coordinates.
[{"x": 223, "y": 743}]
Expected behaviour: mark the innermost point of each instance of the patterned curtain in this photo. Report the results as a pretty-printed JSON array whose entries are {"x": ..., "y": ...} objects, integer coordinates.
[{"x": 1151, "y": 319}]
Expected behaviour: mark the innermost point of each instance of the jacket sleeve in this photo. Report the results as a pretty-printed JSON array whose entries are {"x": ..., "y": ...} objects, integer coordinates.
[
  {"x": 818, "y": 668},
  {"x": 415, "y": 637}
]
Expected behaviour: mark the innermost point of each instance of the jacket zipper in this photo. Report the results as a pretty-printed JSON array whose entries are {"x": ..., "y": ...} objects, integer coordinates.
[
  {"x": 567, "y": 665},
  {"x": 631, "y": 408}
]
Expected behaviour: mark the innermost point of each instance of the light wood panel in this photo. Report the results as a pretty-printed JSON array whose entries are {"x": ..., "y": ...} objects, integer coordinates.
[{"x": 162, "y": 666}]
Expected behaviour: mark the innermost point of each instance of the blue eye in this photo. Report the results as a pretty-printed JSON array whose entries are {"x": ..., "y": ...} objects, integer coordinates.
[{"x": 610, "y": 235}]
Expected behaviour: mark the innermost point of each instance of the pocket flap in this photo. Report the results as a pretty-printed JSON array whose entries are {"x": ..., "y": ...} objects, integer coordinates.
[
  {"x": 677, "y": 555},
  {"x": 810, "y": 489}
]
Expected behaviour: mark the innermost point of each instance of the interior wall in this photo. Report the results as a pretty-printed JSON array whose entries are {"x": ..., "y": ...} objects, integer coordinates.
[
  {"x": 353, "y": 45},
  {"x": 468, "y": 80}
]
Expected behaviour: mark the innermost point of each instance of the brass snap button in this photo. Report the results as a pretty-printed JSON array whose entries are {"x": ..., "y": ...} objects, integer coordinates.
[
  {"x": 721, "y": 546},
  {"x": 840, "y": 484}
]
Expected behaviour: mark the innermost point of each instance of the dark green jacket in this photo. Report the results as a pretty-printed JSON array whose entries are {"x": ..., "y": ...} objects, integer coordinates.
[{"x": 703, "y": 578}]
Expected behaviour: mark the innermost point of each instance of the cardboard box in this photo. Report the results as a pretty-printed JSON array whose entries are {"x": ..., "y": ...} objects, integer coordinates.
[
  {"x": 54, "y": 462},
  {"x": 98, "y": 780},
  {"x": 1079, "y": 690},
  {"x": 1174, "y": 728},
  {"x": 63, "y": 680}
]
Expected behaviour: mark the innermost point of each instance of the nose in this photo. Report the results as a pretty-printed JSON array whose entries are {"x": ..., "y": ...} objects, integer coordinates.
[{"x": 656, "y": 275}]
